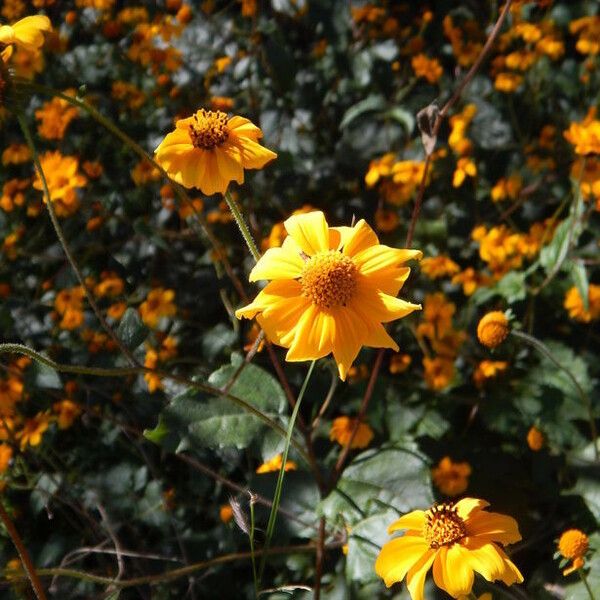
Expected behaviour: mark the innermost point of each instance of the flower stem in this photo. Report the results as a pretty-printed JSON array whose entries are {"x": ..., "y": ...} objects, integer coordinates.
[
  {"x": 239, "y": 219},
  {"x": 252, "y": 549},
  {"x": 65, "y": 245},
  {"x": 36, "y": 584},
  {"x": 586, "y": 584},
  {"x": 539, "y": 345},
  {"x": 279, "y": 485}
]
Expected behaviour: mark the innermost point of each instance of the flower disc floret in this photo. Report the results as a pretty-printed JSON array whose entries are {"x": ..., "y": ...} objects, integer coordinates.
[
  {"x": 493, "y": 329},
  {"x": 329, "y": 279},
  {"x": 443, "y": 526},
  {"x": 573, "y": 543},
  {"x": 208, "y": 129}
]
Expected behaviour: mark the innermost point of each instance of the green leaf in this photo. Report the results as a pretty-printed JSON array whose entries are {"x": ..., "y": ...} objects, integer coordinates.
[
  {"x": 132, "y": 332},
  {"x": 580, "y": 280},
  {"x": 39, "y": 375},
  {"x": 371, "y": 103},
  {"x": 392, "y": 477}
]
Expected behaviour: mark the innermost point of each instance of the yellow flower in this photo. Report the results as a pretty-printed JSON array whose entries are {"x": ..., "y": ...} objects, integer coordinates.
[
  {"x": 464, "y": 168},
  {"x": 33, "y": 430},
  {"x": 67, "y": 411},
  {"x": 429, "y": 68},
  {"x": 158, "y": 304},
  {"x": 507, "y": 82},
  {"x": 471, "y": 280},
  {"x": 342, "y": 428},
  {"x": 274, "y": 464},
  {"x": 439, "y": 266},
  {"x": 331, "y": 290},
  {"x": 208, "y": 150},
  {"x": 63, "y": 177},
  {"x": 487, "y": 369},
  {"x": 6, "y": 453},
  {"x": 15, "y": 154},
  {"x": 451, "y": 478},
  {"x": 399, "y": 363},
  {"x": 585, "y": 136},
  {"x": 574, "y": 304},
  {"x": 55, "y": 116},
  {"x": 456, "y": 539},
  {"x": 573, "y": 545},
  {"x": 535, "y": 439},
  {"x": 439, "y": 372},
  {"x": 493, "y": 329},
  {"x": 26, "y": 34}
]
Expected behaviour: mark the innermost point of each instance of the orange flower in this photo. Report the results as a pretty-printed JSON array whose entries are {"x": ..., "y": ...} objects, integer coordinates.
[
  {"x": 574, "y": 304},
  {"x": 399, "y": 363},
  {"x": 493, "y": 329},
  {"x": 429, "y": 68},
  {"x": 55, "y": 116},
  {"x": 439, "y": 266},
  {"x": 342, "y": 428},
  {"x": 573, "y": 545},
  {"x": 585, "y": 136},
  {"x": 439, "y": 372},
  {"x": 33, "y": 430},
  {"x": 452, "y": 478},
  {"x": 226, "y": 513},
  {"x": 67, "y": 411},
  {"x": 274, "y": 464},
  {"x": 487, "y": 369},
  {"x": 535, "y": 439},
  {"x": 208, "y": 150},
  {"x": 158, "y": 304},
  {"x": 6, "y": 453}
]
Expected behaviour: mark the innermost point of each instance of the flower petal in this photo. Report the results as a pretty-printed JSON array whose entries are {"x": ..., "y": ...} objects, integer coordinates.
[
  {"x": 310, "y": 232},
  {"x": 314, "y": 332},
  {"x": 378, "y": 337},
  {"x": 377, "y": 258},
  {"x": 350, "y": 331},
  {"x": 376, "y": 306},
  {"x": 489, "y": 526},
  {"x": 411, "y": 520},
  {"x": 278, "y": 263},
  {"x": 252, "y": 154},
  {"x": 456, "y": 571},
  {"x": 415, "y": 579},
  {"x": 360, "y": 237},
  {"x": 398, "y": 556},
  {"x": 467, "y": 506}
]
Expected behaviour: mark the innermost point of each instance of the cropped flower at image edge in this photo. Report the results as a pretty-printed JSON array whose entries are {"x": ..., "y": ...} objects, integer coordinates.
[
  {"x": 331, "y": 290},
  {"x": 454, "y": 539}
]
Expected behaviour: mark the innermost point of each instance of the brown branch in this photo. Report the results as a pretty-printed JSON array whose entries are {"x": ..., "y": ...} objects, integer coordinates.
[{"x": 32, "y": 575}]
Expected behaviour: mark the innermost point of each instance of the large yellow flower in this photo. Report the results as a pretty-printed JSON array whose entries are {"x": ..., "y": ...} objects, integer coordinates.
[
  {"x": 456, "y": 539},
  {"x": 26, "y": 34},
  {"x": 208, "y": 150},
  {"x": 331, "y": 290}
]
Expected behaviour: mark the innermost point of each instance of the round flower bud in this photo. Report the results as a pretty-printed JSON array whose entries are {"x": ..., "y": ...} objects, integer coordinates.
[
  {"x": 535, "y": 439},
  {"x": 493, "y": 329},
  {"x": 573, "y": 543}
]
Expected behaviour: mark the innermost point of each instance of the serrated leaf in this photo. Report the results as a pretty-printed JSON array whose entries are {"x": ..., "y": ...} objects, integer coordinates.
[{"x": 132, "y": 332}]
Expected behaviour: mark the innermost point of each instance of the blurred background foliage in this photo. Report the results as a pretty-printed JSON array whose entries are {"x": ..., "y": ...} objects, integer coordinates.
[{"x": 143, "y": 467}]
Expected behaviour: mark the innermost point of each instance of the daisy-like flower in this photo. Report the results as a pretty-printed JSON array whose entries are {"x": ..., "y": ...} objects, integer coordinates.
[
  {"x": 331, "y": 290},
  {"x": 208, "y": 150},
  {"x": 26, "y": 34},
  {"x": 456, "y": 539}
]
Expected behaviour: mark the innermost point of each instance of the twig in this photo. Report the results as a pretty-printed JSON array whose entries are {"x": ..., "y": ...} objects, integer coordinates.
[{"x": 32, "y": 575}]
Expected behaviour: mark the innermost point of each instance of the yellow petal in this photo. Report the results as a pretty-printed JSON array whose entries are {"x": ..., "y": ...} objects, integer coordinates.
[
  {"x": 375, "y": 306},
  {"x": 253, "y": 155},
  {"x": 486, "y": 559},
  {"x": 415, "y": 579},
  {"x": 350, "y": 331},
  {"x": 378, "y": 337},
  {"x": 467, "y": 506},
  {"x": 372, "y": 260},
  {"x": 244, "y": 127},
  {"x": 7, "y": 35},
  {"x": 28, "y": 31},
  {"x": 398, "y": 556},
  {"x": 310, "y": 232},
  {"x": 456, "y": 570},
  {"x": 273, "y": 294},
  {"x": 277, "y": 263},
  {"x": 489, "y": 526},
  {"x": 228, "y": 167},
  {"x": 359, "y": 238},
  {"x": 411, "y": 520},
  {"x": 313, "y": 337}
]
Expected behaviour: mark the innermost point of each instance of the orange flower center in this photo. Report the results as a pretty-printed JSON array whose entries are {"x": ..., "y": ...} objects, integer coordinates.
[
  {"x": 209, "y": 129},
  {"x": 329, "y": 279},
  {"x": 443, "y": 526}
]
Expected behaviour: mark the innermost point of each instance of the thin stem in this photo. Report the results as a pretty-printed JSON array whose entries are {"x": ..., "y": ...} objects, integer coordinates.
[
  {"x": 26, "y": 561},
  {"x": 252, "y": 551},
  {"x": 65, "y": 246},
  {"x": 279, "y": 485},
  {"x": 241, "y": 223},
  {"x": 339, "y": 465},
  {"x": 174, "y": 573},
  {"x": 203, "y": 387},
  {"x": 583, "y": 578},
  {"x": 539, "y": 345},
  {"x": 319, "y": 559}
]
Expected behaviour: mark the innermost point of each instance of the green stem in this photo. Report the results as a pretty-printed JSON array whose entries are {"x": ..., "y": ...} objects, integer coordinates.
[
  {"x": 539, "y": 345},
  {"x": 239, "y": 219},
  {"x": 583, "y": 578},
  {"x": 252, "y": 551},
  {"x": 203, "y": 387},
  {"x": 279, "y": 485},
  {"x": 65, "y": 246}
]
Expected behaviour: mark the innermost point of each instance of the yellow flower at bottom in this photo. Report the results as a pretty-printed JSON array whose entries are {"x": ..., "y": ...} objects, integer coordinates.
[
  {"x": 208, "y": 150},
  {"x": 331, "y": 290},
  {"x": 274, "y": 464},
  {"x": 454, "y": 539},
  {"x": 573, "y": 545},
  {"x": 342, "y": 428}
]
